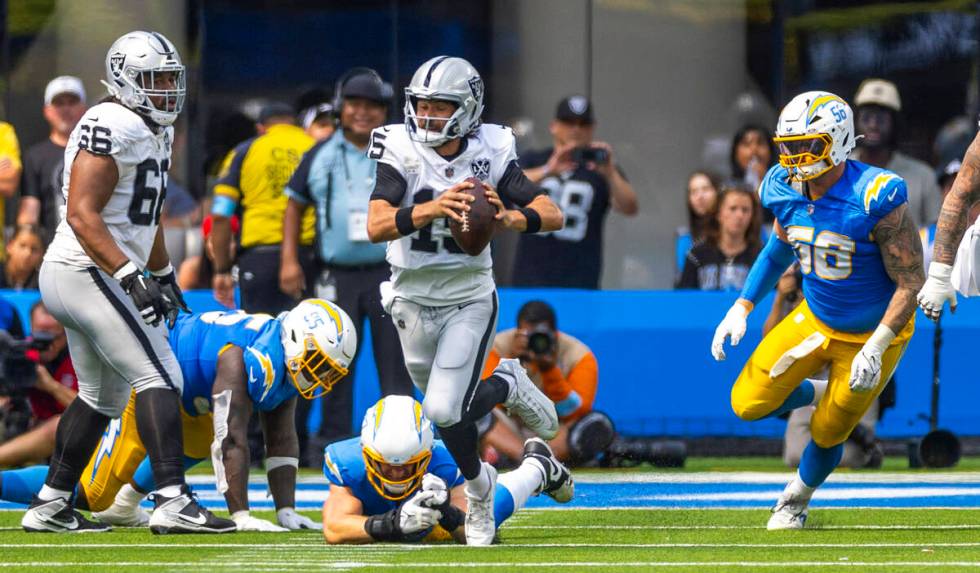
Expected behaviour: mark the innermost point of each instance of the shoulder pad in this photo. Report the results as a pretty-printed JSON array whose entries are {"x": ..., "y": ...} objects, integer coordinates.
[
  {"x": 499, "y": 138},
  {"x": 260, "y": 371},
  {"x": 883, "y": 192},
  {"x": 330, "y": 468},
  {"x": 390, "y": 144},
  {"x": 774, "y": 184}
]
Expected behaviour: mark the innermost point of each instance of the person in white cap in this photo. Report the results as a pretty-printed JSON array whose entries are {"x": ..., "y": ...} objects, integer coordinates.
[
  {"x": 64, "y": 105},
  {"x": 878, "y": 106}
]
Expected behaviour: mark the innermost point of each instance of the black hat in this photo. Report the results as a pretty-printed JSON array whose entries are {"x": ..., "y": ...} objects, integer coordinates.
[
  {"x": 275, "y": 109},
  {"x": 366, "y": 85},
  {"x": 575, "y": 107}
]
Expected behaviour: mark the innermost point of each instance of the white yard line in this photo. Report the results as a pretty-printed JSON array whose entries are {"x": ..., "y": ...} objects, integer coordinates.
[
  {"x": 508, "y": 527},
  {"x": 430, "y": 547}
]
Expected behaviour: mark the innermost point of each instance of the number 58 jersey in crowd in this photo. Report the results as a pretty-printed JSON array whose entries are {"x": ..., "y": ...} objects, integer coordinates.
[
  {"x": 199, "y": 339},
  {"x": 142, "y": 157},
  {"x": 428, "y": 267}
]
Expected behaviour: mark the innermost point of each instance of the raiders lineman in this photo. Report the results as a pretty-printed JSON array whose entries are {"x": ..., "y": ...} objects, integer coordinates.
[
  {"x": 444, "y": 302},
  {"x": 92, "y": 280}
]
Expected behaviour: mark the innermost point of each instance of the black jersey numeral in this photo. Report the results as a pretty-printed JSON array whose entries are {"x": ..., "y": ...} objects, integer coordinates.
[
  {"x": 149, "y": 194},
  {"x": 425, "y": 243}
]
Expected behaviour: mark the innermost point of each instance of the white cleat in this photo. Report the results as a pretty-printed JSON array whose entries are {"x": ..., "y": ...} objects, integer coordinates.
[
  {"x": 480, "y": 525},
  {"x": 787, "y": 515},
  {"x": 123, "y": 515},
  {"x": 58, "y": 516},
  {"x": 183, "y": 514},
  {"x": 557, "y": 483},
  {"x": 535, "y": 409}
]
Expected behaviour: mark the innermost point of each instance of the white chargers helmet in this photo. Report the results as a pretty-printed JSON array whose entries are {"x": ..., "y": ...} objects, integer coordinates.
[
  {"x": 319, "y": 341},
  {"x": 396, "y": 433},
  {"x": 815, "y": 133},
  {"x": 131, "y": 67},
  {"x": 448, "y": 79}
]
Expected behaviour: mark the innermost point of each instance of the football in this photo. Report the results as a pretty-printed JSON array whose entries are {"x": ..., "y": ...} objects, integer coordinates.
[{"x": 478, "y": 226}]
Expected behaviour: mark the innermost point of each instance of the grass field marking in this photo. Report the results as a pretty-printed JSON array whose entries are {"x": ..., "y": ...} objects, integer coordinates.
[
  {"x": 439, "y": 546},
  {"x": 507, "y": 526},
  {"x": 843, "y": 493},
  {"x": 341, "y": 565},
  {"x": 764, "y": 478}
]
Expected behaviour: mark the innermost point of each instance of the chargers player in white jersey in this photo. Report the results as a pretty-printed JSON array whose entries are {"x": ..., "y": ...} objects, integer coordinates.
[
  {"x": 92, "y": 280},
  {"x": 443, "y": 301}
]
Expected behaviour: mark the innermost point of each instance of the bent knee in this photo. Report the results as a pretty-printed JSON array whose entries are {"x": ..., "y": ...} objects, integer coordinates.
[
  {"x": 440, "y": 412},
  {"x": 830, "y": 434},
  {"x": 748, "y": 409}
]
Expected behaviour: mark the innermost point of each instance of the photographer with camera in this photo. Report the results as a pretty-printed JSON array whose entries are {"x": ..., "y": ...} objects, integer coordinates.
[
  {"x": 581, "y": 176},
  {"x": 566, "y": 371},
  {"x": 38, "y": 377}
]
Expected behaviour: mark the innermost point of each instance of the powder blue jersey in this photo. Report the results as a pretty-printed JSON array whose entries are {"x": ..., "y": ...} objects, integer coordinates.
[
  {"x": 197, "y": 341},
  {"x": 343, "y": 464},
  {"x": 844, "y": 277}
]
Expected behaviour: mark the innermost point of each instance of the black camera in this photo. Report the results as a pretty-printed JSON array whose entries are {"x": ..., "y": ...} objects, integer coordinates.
[
  {"x": 17, "y": 370},
  {"x": 541, "y": 340},
  {"x": 595, "y": 155}
]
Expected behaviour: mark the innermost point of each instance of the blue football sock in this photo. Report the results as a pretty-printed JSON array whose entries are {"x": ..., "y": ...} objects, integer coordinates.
[
  {"x": 143, "y": 476},
  {"x": 20, "y": 486},
  {"x": 817, "y": 463},
  {"x": 801, "y": 396},
  {"x": 503, "y": 504}
]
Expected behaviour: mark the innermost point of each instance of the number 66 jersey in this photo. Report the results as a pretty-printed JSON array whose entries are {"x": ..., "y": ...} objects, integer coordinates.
[
  {"x": 142, "y": 156},
  {"x": 844, "y": 278},
  {"x": 428, "y": 267}
]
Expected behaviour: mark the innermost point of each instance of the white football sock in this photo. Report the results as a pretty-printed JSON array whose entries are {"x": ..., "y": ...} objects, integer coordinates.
[
  {"x": 797, "y": 489},
  {"x": 481, "y": 484},
  {"x": 169, "y": 491},
  {"x": 128, "y": 496},
  {"x": 523, "y": 482},
  {"x": 819, "y": 389},
  {"x": 49, "y": 493}
]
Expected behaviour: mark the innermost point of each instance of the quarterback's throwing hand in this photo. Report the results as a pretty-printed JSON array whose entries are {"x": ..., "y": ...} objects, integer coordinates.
[
  {"x": 732, "y": 326},
  {"x": 937, "y": 291}
]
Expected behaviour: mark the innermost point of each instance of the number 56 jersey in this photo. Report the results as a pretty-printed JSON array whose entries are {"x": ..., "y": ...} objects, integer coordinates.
[
  {"x": 844, "y": 277},
  {"x": 428, "y": 267},
  {"x": 142, "y": 158}
]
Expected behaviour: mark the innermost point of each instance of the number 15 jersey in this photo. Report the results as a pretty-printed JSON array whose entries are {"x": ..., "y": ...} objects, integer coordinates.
[
  {"x": 428, "y": 267},
  {"x": 142, "y": 157}
]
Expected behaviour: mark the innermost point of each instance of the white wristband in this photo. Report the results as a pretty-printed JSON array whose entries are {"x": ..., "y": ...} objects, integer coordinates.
[
  {"x": 274, "y": 462},
  {"x": 164, "y": 271},
  {"x": 880, "y": 338},
  {"x": 126, "y": 270},
  {"x": 940, "y": 271}
]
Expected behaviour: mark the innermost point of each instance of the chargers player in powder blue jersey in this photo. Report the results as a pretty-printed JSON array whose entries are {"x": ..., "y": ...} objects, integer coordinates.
[
  {"x": 861, "y": 257},
  {"x": 395, "y": 483},
  {"x": 232, "y": 362}
]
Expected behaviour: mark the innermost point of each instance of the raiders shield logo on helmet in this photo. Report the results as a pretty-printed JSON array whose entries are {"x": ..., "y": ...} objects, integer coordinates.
[
  {"x": 476, "y": 86},
  {"x": 116, "y": 63},
  {"x": 480, "y": 168}
]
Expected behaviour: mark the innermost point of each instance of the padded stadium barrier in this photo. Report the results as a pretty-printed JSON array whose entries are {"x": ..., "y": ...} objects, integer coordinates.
[{"x": 656, "y": 374}]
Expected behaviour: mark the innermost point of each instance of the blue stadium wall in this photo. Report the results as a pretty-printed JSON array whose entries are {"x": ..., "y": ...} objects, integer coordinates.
[{"x": 657, "y": 377}]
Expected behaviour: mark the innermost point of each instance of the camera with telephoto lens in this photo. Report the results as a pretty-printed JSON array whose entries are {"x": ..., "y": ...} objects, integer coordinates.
[
  {"x": 597, "y": 155},
  {"x": 17, "y": 369},
  {"x": 541, "y": 340}
]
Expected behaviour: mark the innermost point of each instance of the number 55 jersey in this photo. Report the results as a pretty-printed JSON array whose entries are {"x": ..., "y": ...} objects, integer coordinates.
[
  {"x": 844, "y": 279},
  {"x": 142, "y": 157}
]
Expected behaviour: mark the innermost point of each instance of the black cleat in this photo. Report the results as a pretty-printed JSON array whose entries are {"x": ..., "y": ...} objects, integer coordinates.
[
  {"x": 183, "y": 514},
  {"x": 558, "y": 483}
]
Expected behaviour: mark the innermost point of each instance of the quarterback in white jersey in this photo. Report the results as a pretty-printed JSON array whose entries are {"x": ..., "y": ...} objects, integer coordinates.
[
  {"x": 92, "y": 280},
  {"x": 442, "y": 300}
]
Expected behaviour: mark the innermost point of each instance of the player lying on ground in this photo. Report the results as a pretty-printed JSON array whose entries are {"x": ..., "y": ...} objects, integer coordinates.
[
  {"x": 396, "y": 484},
  {"x": 232, "y": 362},
  {"x": 861, "y": 258},
  {"x": 443, "y": 300}
]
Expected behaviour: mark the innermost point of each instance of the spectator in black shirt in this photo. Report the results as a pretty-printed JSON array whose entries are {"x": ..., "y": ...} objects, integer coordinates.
[
  {"x": 722, "y": 261},
  {"x": 582, "y": 178},
  {"x": 64, "y": 105}
]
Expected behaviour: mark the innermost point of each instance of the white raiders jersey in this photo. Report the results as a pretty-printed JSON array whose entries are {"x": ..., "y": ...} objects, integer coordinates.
[
  {"x": 133, "y": 211},
  {"x": 428, "y": 267}
]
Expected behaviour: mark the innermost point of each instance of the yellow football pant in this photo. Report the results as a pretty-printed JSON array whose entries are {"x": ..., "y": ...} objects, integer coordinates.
[
  {"x": 797, "y": 348},
  {"x": 121, "y": 451}
]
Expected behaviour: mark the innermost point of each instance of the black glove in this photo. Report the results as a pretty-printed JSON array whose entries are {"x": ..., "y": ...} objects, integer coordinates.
[
  {"x": 147, "y": 297},
  {"x": 175, "y": 298}
]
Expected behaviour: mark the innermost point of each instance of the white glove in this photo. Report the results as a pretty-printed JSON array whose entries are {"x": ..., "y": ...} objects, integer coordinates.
[
  {"x": 246, "y": 522},
  {"x": 937, "y": 291},
  {"x": 733, "y": 325},
  {"x": 289, "y": 519},
  {"x": 414, "y": 515},
  {"x": 866, "y": 366},
  {"x": 436, "y": 485}
]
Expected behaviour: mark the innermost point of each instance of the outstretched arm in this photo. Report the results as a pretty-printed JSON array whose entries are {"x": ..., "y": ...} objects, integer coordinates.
[
  {"x": 343, "y": 521},
  {"x": 232, "y": 410},
  {"x": 956, "y": 206},
  {"x": 901, "y": 252}
]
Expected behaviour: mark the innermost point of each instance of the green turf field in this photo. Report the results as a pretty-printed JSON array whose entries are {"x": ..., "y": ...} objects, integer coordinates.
[{"x": 535, "y": 540}]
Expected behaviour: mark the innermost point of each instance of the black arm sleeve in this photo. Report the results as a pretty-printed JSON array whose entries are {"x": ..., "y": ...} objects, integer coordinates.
[
  {"x": 517, "y": 188},
  {"x": 389, "y": 185}
]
